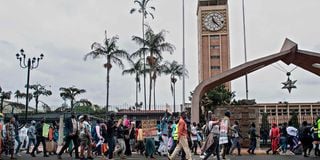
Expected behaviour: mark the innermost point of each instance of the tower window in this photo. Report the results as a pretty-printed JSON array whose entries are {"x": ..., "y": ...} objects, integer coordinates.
[
  {"x": 215, "y": 67},
  {"x": 214, "y": 37},
  {"x": 214, "y": 46},
  {"x": 215, "y": 57}
]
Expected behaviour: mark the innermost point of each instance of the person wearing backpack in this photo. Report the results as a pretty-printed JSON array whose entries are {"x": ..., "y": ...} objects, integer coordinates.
[{"x": 212, "y": 142}]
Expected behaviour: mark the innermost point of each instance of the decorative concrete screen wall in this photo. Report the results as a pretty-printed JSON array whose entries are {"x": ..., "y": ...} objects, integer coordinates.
[{"x": 245, "y": 115}]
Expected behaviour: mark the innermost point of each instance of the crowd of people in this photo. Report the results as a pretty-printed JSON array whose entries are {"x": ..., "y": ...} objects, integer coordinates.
[{"x": 174, "y": 136}]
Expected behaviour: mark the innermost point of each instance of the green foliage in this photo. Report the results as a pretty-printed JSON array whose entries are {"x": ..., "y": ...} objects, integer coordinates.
[
  {"x": 83, "y": 109},
  {"x": 265, "y": 126},
  {"x": 217, "y": 96},
  {"x": 294, "y": 120}
]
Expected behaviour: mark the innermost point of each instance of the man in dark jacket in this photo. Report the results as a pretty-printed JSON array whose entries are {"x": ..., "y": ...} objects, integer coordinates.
[
  {"x": 71, "y": 130},
  {"x": 111, "y": 126},
  {"x": 40, "y": 138}
]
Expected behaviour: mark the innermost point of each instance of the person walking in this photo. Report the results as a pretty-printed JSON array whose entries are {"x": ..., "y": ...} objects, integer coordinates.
[
  {"x": 253, "y": 138},
  {"x": 235, "y": 136},
  {"x": 306, "y": 138},
  {"x": 174, "y": 128},
  {"x": 10, "y": 137},
  {"x": 140, "y": 138},
  {"x": 120, "y": 139},
  {"x": 111, "y": 126},
  {"x": 292, "y": 137},
  {"x": 182, "y": 138},
  {"x": 17, "y": 137},
  {"x": 226, "y": 122},
  {"x": 212, "y": 143},
  {"x": 85, "y": 137},
  {"x": 283, "y": 138},
  {"x": 194, "y": 138},
  {"x": 316, "y": 136},
  {"x": 31, "y": 135},
  {"x": 40, "y": 139},
  {"x": 71, "y": 130},
  {"x": 274, "y": 136}
]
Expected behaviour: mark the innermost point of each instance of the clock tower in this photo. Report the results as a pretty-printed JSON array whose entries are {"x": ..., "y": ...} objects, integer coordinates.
[{"x": 213, "y": 38}]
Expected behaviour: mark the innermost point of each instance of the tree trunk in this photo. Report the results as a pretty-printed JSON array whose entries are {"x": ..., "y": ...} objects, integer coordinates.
[
  {"x": 174, "y": 97},
  {"x": 137, "y": 92},
  {"x": 37, "y": 102},
  {"x": 144, "y": 66},
  {"x": 108, "y": 81},
  {"x": 154, "y": 93},
  {"x": 1, "y": 109},
  {"x": 150, "y": 91},
  {"x": 71, "y": 103}
]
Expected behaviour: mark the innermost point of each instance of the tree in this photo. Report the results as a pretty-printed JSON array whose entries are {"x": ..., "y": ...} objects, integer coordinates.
[
  {"x": 112, "y": 53},
  {"x": 265, "y": 125},
  {"x": 83, "y": 106},
  {"x": 136, "y": 69},
  {"x": 158, "y": 70},
  {"x": 217, "y": 96},
  {"x": 143, "y": 9},
  {"x": 4, "y": 95},
  {"x": 38, "y": 91},
  {"x": 18, "y": 95},
  {"x": 70, "y": 93},
  {"x": 154, "y": 44},
  {"x": 175, "y": 71},
  {"x": 294, "y": 120}
]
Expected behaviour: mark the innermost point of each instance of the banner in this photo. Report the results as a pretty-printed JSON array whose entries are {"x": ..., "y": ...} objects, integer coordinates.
[
  {"x": 223, "y": 131},
  {"x": 149, "y": 128}
]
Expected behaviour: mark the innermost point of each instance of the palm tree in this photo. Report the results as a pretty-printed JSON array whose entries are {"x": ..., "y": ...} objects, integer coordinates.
[
  {"x": 4, "y": 95},
  {"x": 136, "y": 69},
  {"x": 143, "y": 8},
  {"x": 175, "y": 71},
  {"x": 70, "y": 93},
  {"x": 18, "y": 95},
  {"x": 38, "y": 91},
  {"x": 155, "y": 44},
  {"x": 112, "y": 53},
  {"x": 158, "y": 70}
]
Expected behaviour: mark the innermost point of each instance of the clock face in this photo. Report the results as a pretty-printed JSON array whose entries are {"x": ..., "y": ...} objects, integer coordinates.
[{"x": 214, "y": 21}]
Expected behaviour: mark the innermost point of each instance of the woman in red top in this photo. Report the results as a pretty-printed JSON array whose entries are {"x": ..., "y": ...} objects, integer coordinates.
[{"x": 274, "y": 136}]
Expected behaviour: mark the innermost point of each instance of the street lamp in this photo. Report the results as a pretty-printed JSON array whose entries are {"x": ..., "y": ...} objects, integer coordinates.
[{"x": 29, "y": 64}]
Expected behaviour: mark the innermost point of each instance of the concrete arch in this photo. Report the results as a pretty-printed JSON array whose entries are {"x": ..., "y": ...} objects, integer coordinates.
[{"x": 289, "y": 54}]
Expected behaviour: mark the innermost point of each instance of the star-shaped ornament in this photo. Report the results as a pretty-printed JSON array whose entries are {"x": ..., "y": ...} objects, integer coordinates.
[{"x": 289, "y": 84}]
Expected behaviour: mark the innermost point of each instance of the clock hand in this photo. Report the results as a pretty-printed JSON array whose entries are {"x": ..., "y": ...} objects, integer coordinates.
[{"x": 214, "y": 21}]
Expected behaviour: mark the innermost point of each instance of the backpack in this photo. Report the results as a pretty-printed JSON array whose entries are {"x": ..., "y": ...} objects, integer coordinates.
[{"x": 94, "y": 133}]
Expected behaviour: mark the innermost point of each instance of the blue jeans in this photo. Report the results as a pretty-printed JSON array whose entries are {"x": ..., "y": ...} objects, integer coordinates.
[
  {"x": 33, "y": 141},
  {"x": 19, "y": 144},
  {"x": 111, "y": 146},
  {"x": 253, "y": 144}
]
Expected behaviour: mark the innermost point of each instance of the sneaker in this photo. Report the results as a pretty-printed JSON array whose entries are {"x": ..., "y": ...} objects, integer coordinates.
[
  {"x": 202, "y": 156},
  {"x": 18, "y": 154}
]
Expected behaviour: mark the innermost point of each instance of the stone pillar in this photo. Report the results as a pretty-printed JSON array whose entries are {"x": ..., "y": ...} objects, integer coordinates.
[{"x": 61, "y": 127}]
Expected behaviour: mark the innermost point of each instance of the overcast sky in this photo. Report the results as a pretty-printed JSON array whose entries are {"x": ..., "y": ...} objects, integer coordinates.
[{"x": 64, "y": 30}]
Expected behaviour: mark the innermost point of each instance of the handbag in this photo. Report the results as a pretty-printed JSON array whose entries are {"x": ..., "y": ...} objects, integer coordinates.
[
  {"x": 50, "y": 146},
  {"x": 104, "y": 148}
]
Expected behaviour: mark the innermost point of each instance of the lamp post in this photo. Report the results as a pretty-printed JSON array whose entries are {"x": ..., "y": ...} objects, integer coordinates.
[{"x": 29, "y": 64}]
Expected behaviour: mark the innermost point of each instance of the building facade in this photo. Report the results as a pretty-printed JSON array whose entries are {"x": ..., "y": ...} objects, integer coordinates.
[
  {"x": 280, "y": 113},
  {"x": 213, "y": 38}
]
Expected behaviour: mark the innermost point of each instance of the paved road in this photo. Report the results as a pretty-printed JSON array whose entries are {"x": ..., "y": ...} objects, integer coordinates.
[{"x": 138, "y": 157}]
